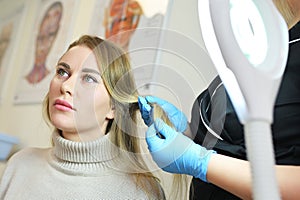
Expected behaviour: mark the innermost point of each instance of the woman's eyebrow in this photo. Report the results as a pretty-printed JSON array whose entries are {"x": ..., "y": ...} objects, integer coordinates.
[
  {"x": 65, "y": 65},
  {"x": 88, "y": 70}
]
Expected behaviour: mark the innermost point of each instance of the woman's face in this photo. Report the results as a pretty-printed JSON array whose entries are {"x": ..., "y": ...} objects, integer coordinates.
[{"x": 79, "y": 104}]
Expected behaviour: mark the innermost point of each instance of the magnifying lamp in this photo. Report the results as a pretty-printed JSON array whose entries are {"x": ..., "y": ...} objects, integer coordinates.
[{"x": 247, "y": 41}]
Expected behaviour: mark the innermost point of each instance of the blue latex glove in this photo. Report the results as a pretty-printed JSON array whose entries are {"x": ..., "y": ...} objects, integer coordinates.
[
  {"x": 177, "y": 117},
  {"x": 177, "y": 153}
]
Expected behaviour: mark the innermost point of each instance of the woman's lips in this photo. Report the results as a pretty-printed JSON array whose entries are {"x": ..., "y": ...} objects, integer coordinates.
[{"x": 63, "y": 105}]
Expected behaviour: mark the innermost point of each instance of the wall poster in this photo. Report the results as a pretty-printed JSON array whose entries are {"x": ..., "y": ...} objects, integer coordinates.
[
  {"x": 124, "y": 22},
  {"x": 9, "y": 29},
  {"x": 50, "y": 38}
]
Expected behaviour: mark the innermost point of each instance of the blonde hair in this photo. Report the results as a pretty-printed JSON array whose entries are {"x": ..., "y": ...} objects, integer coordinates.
[
  {"x": 287, "y": 12},
  {"x": 116, "y": 74},
  {"x": 180, "y": 184}
]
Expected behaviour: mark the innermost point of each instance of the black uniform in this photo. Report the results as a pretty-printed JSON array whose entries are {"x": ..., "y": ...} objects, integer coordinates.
[{"x": 219, "y": 113}]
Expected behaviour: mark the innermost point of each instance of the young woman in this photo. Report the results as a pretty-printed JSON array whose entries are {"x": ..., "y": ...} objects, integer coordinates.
[{"x": 92, "y": 104}]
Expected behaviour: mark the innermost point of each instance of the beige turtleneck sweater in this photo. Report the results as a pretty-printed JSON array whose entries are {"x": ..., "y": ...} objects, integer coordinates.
[{"x": 69, "y": 170}]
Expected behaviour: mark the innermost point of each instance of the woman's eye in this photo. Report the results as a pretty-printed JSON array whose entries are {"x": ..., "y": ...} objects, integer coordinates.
[
  {"x": 90, "y": 79},
  {"x": 62, "y": 72}
]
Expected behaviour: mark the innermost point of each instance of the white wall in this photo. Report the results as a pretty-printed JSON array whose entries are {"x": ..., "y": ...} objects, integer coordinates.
[
  {"x": 23, "y": 121},
  {"x": 185, "y": 68}
]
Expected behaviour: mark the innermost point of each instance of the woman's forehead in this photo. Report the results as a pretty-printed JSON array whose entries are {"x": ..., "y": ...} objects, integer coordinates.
[{"x": 80, "y": 56}]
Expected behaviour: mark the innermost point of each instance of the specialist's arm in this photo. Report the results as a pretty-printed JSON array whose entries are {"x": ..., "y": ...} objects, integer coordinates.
[{"x": 234, "y": 176}]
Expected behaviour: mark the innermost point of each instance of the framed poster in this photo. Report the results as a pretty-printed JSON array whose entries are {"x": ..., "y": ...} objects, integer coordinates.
[
  {"x": 9, "y": 29},
  {"x": 124, "y": 22},
  {"x": 50, "y": 37}
]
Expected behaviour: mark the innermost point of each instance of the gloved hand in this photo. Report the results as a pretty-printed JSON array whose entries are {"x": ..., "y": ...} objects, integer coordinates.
[
  {"x": 177, "y": 117},
  {"x": 177, "y": 153}
]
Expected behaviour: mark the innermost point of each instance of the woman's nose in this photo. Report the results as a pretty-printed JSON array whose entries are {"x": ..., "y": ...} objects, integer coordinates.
[{"x": 68, "y": 86}]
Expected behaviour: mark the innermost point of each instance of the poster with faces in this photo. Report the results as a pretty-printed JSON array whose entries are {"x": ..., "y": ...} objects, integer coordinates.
[
  {"x": 124, "y": 23},
  {"x": 9, "y": 27},
  {"x": 48, "y": 40}
]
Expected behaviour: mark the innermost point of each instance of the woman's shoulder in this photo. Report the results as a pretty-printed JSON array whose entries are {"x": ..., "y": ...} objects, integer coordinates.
[
  {"x": 23, "y": 160},
  {"x": 28, "y": 155}
]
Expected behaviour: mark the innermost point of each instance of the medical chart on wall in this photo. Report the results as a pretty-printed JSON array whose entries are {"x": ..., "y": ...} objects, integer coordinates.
[
  {"x": 50, "y": 38},
  {"x": 9, "y": 28},
  {"x": 124, "y": 23}
]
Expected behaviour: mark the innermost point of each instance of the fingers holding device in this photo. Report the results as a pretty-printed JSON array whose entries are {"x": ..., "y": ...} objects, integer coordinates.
[
  {"x": 176, "y": 117},
  {"x": 176, "y": 153}
]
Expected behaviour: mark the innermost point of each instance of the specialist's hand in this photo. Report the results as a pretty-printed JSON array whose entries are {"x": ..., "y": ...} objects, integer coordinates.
[
  {"x": 176, "y": 153},
  {"x": 177, "y": 117}
]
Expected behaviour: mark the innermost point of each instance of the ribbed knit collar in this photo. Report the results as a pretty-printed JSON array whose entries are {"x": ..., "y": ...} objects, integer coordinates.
[{"x": 96, "y": 151}]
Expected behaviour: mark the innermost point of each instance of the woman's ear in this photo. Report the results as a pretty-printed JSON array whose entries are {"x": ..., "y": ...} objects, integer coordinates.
[{"x": 111, "y": 113}]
